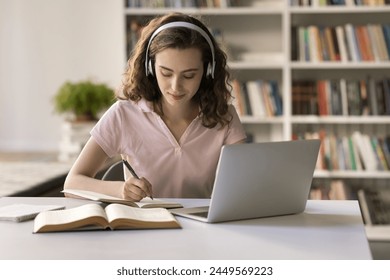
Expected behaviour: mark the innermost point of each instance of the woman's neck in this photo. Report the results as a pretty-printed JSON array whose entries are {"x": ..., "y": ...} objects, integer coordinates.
[
  {"x": 179, "y": 113},
  {"x": 178, "y": 118}
]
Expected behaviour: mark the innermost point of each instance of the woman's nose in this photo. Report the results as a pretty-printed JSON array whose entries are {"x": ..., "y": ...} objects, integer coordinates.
[{"x": 176, "y": 83}]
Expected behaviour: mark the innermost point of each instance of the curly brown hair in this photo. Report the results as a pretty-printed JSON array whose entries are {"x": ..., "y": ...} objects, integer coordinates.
[{"x": 213, "y": 94}]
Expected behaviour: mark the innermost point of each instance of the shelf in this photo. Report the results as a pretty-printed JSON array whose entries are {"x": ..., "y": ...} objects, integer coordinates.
[
  {"x": 261, "y": 120},
  {"x": 296, "y": 65},
  {"x": 339, "y": 10},
  {"x": 342, "y": 174},
  {"x": 253, "y": 65},
  {"x": 340, "y": 120},
  {"x": 232, "y": 11}
]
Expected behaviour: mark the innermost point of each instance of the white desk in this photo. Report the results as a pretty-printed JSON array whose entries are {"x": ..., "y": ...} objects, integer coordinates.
[{"x": 326, "y": 230}]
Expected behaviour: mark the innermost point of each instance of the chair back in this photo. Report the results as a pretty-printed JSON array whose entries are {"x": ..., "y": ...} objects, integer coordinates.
[{"x": 114, "y": 172}]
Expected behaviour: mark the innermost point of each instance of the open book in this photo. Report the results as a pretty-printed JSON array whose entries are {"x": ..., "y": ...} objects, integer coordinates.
[
  {"x": 144, "y": 203},
  {"x": 94, "y": 216}
]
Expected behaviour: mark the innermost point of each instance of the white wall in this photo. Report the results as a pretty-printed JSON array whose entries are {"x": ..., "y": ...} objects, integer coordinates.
[{"x": 44, "y": 43}]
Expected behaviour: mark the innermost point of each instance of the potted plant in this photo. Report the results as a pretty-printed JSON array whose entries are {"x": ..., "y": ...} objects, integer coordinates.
[
  {"x": 84, "y": 100},
  {"x": 81, "y": 102}
]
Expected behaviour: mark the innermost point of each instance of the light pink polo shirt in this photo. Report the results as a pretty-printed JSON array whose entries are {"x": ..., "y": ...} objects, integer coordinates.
[{"x": 181, "y": 169}]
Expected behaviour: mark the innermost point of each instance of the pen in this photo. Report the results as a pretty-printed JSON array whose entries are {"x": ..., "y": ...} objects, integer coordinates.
[{"x": 125, "y": 162}]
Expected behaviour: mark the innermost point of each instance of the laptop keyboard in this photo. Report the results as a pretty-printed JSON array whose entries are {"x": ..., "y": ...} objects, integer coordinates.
[{"x": 201, "y": 214}]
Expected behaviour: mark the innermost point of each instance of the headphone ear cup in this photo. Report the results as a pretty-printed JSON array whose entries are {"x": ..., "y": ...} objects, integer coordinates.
[
  {"x": 209, "y": 71},
  {"x": 150, "y": 68}
]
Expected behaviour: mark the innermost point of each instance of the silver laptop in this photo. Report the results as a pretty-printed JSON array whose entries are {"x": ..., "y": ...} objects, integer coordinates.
[{"x": 259, "y": 180}]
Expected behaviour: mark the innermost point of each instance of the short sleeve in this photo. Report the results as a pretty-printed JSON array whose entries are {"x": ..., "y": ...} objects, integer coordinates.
[
  {"x": 107, "y": 132},
  {"x": 236, "y": 131}
]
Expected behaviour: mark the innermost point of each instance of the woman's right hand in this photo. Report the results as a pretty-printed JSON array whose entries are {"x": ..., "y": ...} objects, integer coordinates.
[{"x": 136, "y": 189}]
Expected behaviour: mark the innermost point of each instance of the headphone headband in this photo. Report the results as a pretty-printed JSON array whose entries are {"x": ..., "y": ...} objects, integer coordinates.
[{"x": 176, "y": 24}]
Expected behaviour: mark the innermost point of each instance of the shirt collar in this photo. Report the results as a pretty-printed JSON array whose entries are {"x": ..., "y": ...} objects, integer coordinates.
[{"x": 145, "y": 106}]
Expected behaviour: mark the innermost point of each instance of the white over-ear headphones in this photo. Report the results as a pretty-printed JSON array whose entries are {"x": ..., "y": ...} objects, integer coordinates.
[{"x": 210, "y": 66}]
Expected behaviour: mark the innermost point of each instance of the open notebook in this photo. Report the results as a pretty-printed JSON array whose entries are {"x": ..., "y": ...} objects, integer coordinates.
[
  {"x": 259, "y": 180},
  {"x": 144, "y": 203}
]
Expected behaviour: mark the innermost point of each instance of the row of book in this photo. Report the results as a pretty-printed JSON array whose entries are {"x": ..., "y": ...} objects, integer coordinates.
[
  {"x": 357, "y": 151},
  {"x": 341, "y": 97},
  {"x": 343, "y": 43},
  {"x": 135, "y": 26},
  {"x": 134, "y": 29},
  {"x": 332, "y": 190},
  {"x": 319, "y": 3},
  {"x": 181, "y": 3},
  {"x": 374, "y": 203},
  {"x": 259, "y": 98}
]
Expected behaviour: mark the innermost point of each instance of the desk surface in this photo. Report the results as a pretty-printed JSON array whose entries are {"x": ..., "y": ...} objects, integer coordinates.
[{"x": 326, "y": 230}]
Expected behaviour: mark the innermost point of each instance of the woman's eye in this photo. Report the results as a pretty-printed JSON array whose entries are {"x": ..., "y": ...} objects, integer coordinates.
[
  {"x": 189, "y": 76},
  {"x": 165, "y": 74}
]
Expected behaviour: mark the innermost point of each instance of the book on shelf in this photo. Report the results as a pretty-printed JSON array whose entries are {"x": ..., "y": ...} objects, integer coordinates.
[
  {"x": 381, "y": 42},
  {"x": 372, "y": 97},
  {"x": 335, "y": 190},
  {"x": 315, "y": 52},
  {"x": 347, "y": 42},
  {"x": 238, "y": 100},
  {"x": 386, "y": 95},
  {"x": 248, "y": 107},
  {"x": 304, "y": 41},
  {"x": 182, "y": 3},
  {"x": 324, "y": 45},
  {"x": 380, "y": 153},
  {"x": 330, "y": 41},
  {"x": 366, "y": 153},
  {"x": 94, "y": 216},
  {"x": 144, "y": 203},
  {"x": 276, "y": 98},
  {"x": 356, "y": 163},
  {"x": 294, "y": 51},
  {"x": 134, "y": 30},
  {"x": 341, "y": 42},
  {"x": 323, "y": 93},
  {"x": 384, "y": 143},
  {"x": 357, "y": 151},
  {"x": 341, "y": 97},
  {"x": 257, "y": 98},
  {"x": 304, "y": 98},
  {"x": 386, "y": 34},
  {"x": 365, "y": 43},
  {"x": 348, "y": 3}
]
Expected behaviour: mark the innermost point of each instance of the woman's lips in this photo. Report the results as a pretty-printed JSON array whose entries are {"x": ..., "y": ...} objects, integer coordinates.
[{"x": 177, "y": 97}]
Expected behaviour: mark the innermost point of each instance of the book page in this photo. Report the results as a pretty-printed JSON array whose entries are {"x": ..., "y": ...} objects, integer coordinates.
[
  {"x": 147, "y": 202},
  {"x": 119, "y": 211},
  {"x": 98, "y": 196},
  {"x": 68, "y": 216}
]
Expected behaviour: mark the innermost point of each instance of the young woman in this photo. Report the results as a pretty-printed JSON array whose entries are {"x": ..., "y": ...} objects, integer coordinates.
[{"x": 171, "y": 118}]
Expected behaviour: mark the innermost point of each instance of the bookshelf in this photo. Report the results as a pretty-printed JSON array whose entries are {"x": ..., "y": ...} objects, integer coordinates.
[
  {"x": 260, "y": 48},
  {"x": 262, "y": 55},
  {"x": 349, "y": 69}
]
